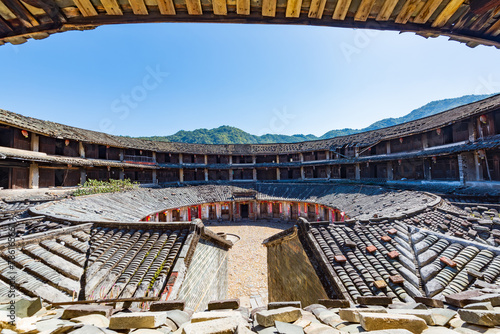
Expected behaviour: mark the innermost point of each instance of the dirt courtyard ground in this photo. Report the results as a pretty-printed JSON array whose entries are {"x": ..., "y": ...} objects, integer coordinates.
[{"x": 248, "y": 259}]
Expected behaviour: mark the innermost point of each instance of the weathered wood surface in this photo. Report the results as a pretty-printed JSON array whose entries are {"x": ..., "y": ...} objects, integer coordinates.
[{"x": 479, "y": 24}]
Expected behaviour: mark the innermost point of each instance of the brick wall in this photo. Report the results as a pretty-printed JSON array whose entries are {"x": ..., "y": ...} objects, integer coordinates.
[
  {"x": 207, "y": 277},
  {"x": 291, "y": 276}
]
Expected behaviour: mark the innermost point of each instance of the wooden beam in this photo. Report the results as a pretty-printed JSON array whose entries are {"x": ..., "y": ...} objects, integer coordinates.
[
  {"x": 293, "y": 8},
  {"x": 24, "y": 15},
  {"x": 269, "y": 8},
  {"x": 341, "y": 9},
  {"x": 85, "y": 7},
  {"x": 138, "y": 7},
  {"x": 316, "y": 9},
  {"x": 494, "y": 30},
  {"x": 50, "y": 7},
  {"x": 480, "y": 7},
  {"x": 407, "y": 11},
  {"x": 364, "y": 10},
  {"x": 194, "y": 7},
  {"x": 243, "y": 7},
  {"x": 112, "y": 7},
  {"x": 386, "y": 11},
  {"x": 447, "y": 13},
  {"x": 429, "y": 8},
  {"x": 166, "y": 7},
  {"x": 219, "y": 7},
  {"x": 464, "y": 18},
  {"x": 481, "y": 21},
  {"x": 4, "y": 25}
]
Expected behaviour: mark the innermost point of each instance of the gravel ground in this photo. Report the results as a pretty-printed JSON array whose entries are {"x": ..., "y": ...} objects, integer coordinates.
[{"x": 248, "y": 258}]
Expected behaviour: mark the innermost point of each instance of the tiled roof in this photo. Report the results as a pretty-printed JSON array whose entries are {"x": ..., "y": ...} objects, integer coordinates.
[
  {"x": 113, "y": 260},
  {"x": 378, "y": 254},
  {"x": 359, "y": 201}
]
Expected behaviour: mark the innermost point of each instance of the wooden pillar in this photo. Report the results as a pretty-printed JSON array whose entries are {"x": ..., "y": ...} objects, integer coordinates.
[
  {"x": 255, "y": 174},
  {"x": 357, "y": 171},
  {"x": 461, "y": 168},
  {"x": 206, "y": 170},
  {"x": 181, "y": 175},
  {"x": 155, "y": 178},
  {"x": 154, "y": 156},
  {"x": 477, "y": 163},
  {"x": 206, "y": 159},
  {"x": 472, "y": 130},
  {"x": 425, "y": 141},
  {"x": 327, "y": 155},
  {"x": 35, "y": 142},
  {"x": 390, "y": 174},
  {"x": 180, "y": 158},
  {"x": 83, "y": 175},
  {"x": 230, "y": 159},
  {"x": 254, "y": 159},
  {"x": 301, "y": 156},
  {"x": 328, "y": 172},
  {"x": 81, "y": 150},
  {"x": 34, "y": 176},
  {"x": 388, "y": 147},
  {"x": 427, "y": 169},
  {"x": 356, "y": 151},
  {"x": 278, "y": 176},
  {"x": 302, "y": 174},
  {"x": 218, "y": 210},
  {"x": 277, "y": 159},
  {"x": 231, "y": 175}
]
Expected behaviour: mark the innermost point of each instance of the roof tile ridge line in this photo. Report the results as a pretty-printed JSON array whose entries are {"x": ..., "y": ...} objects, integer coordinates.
[
  {"x": 463, "y": 242},
  {"x": 421, "y": 283},
  {"x": 22, "y": 240},
  {"x": 315, "y": 248}
]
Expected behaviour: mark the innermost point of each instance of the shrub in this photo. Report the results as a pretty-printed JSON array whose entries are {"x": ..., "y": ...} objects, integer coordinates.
[{"x": 98, "y": 187}]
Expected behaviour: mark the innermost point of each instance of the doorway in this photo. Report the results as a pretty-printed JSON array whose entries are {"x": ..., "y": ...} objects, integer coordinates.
[{"x": 244, "y": 210}]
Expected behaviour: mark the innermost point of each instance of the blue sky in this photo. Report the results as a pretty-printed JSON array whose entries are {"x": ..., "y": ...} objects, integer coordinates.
[{"x": 156, "y": 79}]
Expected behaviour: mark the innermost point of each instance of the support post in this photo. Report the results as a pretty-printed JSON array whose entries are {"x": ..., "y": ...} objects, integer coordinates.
[
  {"x": 477, "y": 163},
  {"x": 461, "y": 168},
  {"x": 206, "y": 171},
  {"x": 390, "y": 174},
  {"x": 302, "y": 174},
  {"x": 255, "y": 174},
  {"x": 472, "y": 131},
  {"x": 83, "y": 175},
  {"x": 81, "y": 150},
  {"x": 34, "y": 176},
  {"x": 278, "y": 176},
  {"x": 425, "y": 141},
  {"x": 357, "y": 171},
  {"x": 35, "y": 142},
  {"x": 155, "y": 178},
  {"x": 181, "y": 175}
]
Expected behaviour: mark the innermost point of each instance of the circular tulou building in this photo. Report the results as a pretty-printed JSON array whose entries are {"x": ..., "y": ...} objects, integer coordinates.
[{"x": 402, "y": 222}]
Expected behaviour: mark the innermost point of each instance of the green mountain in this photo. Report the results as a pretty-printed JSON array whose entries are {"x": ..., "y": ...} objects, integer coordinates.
[{"x": 231, "y": 135}]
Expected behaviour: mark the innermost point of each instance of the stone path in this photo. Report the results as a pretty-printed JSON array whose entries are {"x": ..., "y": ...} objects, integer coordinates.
[{"x": 248, "y": 259}]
